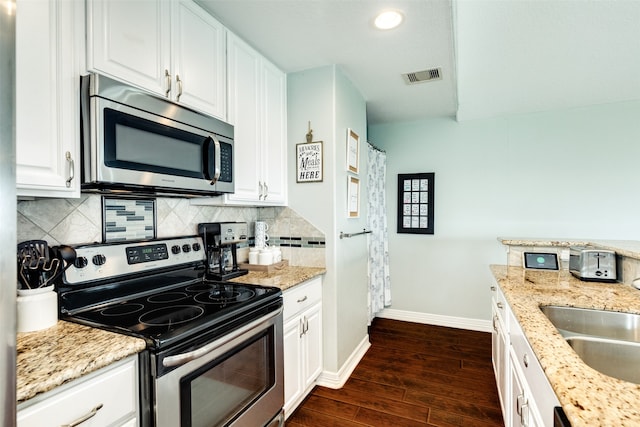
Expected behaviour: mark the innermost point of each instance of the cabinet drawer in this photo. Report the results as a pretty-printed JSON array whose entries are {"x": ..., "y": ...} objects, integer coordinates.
[
  {"x": 115, "y": 388},
  {"x": 302, "y": 296}
]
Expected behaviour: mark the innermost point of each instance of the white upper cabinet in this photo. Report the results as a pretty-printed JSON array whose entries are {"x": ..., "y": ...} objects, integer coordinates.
[
  {"x": 257, "y": 109},
  {"x": 172, "y": 48},
  {"x": 48, "y": 35}
]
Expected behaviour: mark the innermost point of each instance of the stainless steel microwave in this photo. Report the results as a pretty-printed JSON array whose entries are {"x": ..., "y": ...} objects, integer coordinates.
[{"x": 142, "y": 143}]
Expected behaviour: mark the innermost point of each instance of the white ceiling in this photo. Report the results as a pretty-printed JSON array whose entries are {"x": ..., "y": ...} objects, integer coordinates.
[{"x": 497, "y": 56}]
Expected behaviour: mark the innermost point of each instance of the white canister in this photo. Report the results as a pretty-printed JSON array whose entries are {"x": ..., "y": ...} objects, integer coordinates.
[
  {"x": 37, "y": 309},
  {"x": 277, "y": 254},
  {"x": 265, "y": 257},
  {"x": 253, "y": 255}
]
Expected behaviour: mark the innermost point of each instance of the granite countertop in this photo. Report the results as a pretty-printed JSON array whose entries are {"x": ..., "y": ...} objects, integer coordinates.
[
  {"x": 628, "y": 248},
  {"x": 588, "y": 397},
  {"x": 284, "y": 278},
  {"x": 49, "y": 358}
]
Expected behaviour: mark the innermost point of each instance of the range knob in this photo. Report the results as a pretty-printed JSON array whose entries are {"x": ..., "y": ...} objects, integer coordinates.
[
  {"x": 175, "y": 249},
  {"x": 80, "y": 262},
  {"x": 99, "y": 259},
  {"x": 196, "y": 247},
  {"x": 186, "y": 248}
]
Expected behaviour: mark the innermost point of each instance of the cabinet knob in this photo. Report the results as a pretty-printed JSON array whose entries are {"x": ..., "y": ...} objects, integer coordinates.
[
  {"x": 72, "y": 169},
  {"x": 493, "y": 289},
  {"x": 500, "y": 305}
]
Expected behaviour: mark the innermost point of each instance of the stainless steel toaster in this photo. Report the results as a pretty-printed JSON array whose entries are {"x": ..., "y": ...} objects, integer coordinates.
[{"x": 592, "y": 264}]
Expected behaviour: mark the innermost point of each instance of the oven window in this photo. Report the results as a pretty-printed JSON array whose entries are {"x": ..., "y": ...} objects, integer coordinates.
[{"x": 221, "y": 390}]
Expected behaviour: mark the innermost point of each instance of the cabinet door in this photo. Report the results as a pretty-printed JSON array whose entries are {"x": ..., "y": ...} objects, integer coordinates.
[
  {"x": 274, "y": 134},
  {"x": 292, "y": 363},
  {"x": 198, "y": 57},
  {"x": 313, "y": 345},
  {"x": 47, "y": 98},
  {"x": 130, "y": 40},
  {"x": 244, "y": 114},
  {"x": 111, "y": 395}
]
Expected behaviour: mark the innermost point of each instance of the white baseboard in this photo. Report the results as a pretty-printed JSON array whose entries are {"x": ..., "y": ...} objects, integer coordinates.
[
  {"x": 437, "y": 319},
  {"x": 336, "y": 380}
]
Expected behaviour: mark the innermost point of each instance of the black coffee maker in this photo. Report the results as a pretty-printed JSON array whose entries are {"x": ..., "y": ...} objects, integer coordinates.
[{"x": 220, "y": 241}]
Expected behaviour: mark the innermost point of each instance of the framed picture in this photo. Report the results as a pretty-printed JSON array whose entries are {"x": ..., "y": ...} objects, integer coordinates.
[
  {"x": 309, "y": 162},
  {"x": 415, "y": 203},
  {"x": 353, "y": 151},
  {"x": 353, "y": 197}
]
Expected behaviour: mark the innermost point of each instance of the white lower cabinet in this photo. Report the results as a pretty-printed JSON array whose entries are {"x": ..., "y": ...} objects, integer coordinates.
[
  {"x": 526, "y": 396},
  {"x": 302, "y": 341},
  {"x": 108, "y": 397}
]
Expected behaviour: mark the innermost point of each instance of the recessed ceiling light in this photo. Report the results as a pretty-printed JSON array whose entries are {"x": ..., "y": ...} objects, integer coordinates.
[{"x": 388, "y": 19}]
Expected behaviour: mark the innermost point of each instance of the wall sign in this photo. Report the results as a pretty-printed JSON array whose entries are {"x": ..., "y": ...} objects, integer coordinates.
[
  {"x": 415, "y": 203},
  {"x": 309, "y": 162}
]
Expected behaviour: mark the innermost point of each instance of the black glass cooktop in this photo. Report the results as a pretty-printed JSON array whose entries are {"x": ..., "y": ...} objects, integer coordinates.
[{"x": 175, "y": 312}]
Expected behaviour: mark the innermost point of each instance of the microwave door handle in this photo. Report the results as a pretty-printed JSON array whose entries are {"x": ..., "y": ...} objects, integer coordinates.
[{"x": 216, "y": 158}]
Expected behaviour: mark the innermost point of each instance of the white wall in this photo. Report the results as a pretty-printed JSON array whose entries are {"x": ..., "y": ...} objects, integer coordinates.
[
  {"x": 572, "y": 173},
  {"x": 329, "y": 100}
]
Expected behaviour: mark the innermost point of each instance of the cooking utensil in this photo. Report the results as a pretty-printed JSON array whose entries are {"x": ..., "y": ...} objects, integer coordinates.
[{"x": 35, "y": 268}]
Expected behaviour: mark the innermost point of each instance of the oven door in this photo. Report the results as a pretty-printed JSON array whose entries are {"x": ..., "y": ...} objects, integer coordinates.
[{"x": 235, "y": 380}]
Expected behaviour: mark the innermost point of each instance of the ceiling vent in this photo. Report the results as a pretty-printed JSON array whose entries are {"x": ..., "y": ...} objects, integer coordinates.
[{"x": 423, "y": 76}]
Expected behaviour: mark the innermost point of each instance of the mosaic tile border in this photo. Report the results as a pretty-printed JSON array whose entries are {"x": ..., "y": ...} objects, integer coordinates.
[{"x": 293, "y": 242}]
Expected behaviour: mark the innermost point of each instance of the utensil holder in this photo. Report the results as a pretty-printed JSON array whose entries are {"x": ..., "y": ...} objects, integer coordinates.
[{"x": 37, "y": 309}]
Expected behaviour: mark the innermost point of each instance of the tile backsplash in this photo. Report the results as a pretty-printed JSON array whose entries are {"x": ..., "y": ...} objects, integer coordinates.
[{"x": 77, "y": 221}]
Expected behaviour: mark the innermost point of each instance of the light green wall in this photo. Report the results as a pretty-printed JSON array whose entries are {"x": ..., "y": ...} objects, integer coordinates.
[
  {"x": 327, "y": 98},
  {"x": 572, "y": 173}
]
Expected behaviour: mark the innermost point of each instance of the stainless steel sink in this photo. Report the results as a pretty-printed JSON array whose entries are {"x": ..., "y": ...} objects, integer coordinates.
[
  {"x": 608, "y": 341},
  {"x": 599, "y": 323},
  {"x": 618, "y": 359}
]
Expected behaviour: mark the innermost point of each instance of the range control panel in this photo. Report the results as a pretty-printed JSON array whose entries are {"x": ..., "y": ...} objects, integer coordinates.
[{"x": 106, "y": 261}]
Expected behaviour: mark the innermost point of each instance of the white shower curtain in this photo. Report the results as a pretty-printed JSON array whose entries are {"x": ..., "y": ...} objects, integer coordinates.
[{"x": 379, "y": 284}]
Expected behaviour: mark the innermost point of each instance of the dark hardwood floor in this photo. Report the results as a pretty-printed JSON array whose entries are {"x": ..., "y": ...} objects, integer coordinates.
[{"x": 413, "y": 375}]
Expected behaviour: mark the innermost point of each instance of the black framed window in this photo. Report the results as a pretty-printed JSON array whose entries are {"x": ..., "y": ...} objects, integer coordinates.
[{"x": 415, "y": 203}]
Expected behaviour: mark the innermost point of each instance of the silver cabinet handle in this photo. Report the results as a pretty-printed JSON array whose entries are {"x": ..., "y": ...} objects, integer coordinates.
[
  {"x": 261, "y": 190},
  {"x": 72, "y": 171},
  {"x": 495, "y": 326},
  {"x": 266, "y": 191},
  {"x": 303, "y": 299},
  {"x": 493, "y": 289},
  {"x": 167, "y": 78},
  {"x": 306, "y": 325},
  {"x": 92, "y": 413},
  {"x": 525, "y": 360},
  {"x": 179, "y": 83},
  {"x": 500, "y": 305}
]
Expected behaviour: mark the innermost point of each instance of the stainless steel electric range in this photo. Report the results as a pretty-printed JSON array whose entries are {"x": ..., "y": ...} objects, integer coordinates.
[{"x": 214, "y": 349}]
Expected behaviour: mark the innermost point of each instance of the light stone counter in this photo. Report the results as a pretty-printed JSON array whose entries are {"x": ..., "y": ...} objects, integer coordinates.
[
  {"x": 588, "y": 397},
  {"x": 49, "y": 358},
  {"x": 627, "y": 248},
  {"x": 285, "y": 278}
]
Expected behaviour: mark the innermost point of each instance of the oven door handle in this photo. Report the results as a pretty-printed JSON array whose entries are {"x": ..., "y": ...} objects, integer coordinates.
[{"x": 181, "y": 359}]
